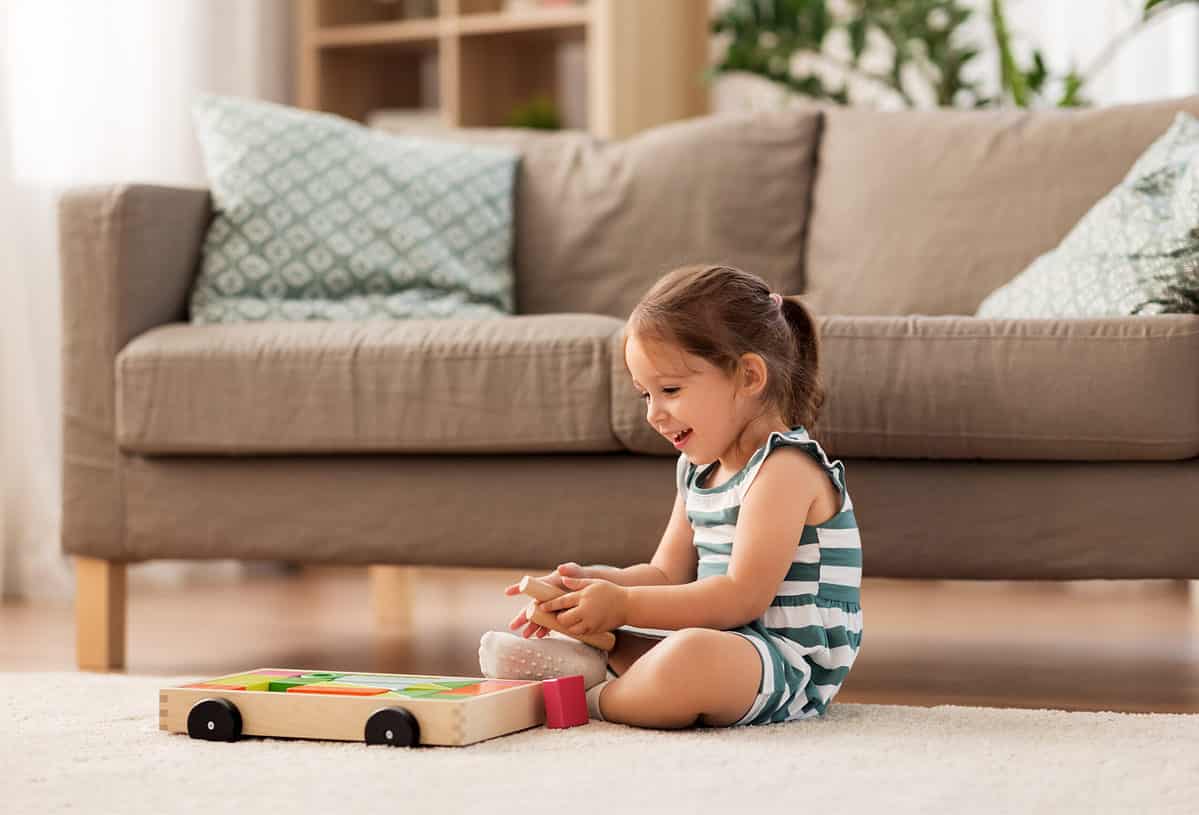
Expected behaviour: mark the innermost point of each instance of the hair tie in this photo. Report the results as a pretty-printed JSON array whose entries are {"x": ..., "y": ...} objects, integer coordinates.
[{"x": 777, "y": 298}]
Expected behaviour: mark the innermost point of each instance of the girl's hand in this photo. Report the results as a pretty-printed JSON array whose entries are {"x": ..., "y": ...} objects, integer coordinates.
[
  {"x": 593, "y": 607},
  {"x": 555, "y": 579}
]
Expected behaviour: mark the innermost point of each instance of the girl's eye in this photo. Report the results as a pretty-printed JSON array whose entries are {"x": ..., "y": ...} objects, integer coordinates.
[{"x": 670, "y": 391}]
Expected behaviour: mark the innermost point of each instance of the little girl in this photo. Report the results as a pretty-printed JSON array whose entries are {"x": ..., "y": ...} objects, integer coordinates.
[{"x": 749, "y": 611}]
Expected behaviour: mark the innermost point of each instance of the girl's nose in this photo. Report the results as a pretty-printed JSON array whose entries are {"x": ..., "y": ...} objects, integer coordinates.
[{"x": 654, "y": 412}]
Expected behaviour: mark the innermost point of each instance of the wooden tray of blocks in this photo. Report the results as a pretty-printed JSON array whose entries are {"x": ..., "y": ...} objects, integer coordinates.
[{"x": 395, "y": 709}]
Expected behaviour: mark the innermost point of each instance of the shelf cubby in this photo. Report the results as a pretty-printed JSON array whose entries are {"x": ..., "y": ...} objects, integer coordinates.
[{"x": 644, "y": 60}]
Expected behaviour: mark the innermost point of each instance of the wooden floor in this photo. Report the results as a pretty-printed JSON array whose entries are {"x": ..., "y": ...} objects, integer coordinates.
[{"x": 1127, "y": 646}]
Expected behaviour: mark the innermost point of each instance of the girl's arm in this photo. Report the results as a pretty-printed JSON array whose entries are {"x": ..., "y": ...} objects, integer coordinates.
[
  {"x": 769, "y": 527},
  {"x": 674, "y": 561}
]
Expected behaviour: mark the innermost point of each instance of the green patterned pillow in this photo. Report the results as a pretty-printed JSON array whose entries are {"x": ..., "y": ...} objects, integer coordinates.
[
  {"x": 320, "y": 218},
  {"x": 1135, "y": 252}
]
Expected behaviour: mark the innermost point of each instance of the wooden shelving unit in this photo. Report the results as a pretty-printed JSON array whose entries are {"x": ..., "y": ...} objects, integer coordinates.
[{"x": 644, "y": 59}]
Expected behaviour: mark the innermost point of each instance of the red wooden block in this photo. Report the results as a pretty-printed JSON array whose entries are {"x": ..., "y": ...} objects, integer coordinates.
[{"x": 565, "y": 701}]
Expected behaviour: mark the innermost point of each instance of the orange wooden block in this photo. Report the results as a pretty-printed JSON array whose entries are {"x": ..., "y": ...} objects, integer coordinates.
[
  {"x": 339, "y": 690},
  {"x": 487, "y": 686}
]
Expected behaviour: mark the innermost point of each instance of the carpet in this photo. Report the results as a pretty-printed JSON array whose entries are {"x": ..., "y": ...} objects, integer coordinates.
[{"x": 90, "y": 743}]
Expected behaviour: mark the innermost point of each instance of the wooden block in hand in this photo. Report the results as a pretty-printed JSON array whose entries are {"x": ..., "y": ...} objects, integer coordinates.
[
  {"x": 538, "y": 589},
  {"x": 541, "y": 591}
]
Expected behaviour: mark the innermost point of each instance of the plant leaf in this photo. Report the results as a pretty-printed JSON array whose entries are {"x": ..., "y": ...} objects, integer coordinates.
[
  {"x": 1156, "y": 7},
  {"x": 857, "y": 37},
  {"x": 1010, "y": 74}
]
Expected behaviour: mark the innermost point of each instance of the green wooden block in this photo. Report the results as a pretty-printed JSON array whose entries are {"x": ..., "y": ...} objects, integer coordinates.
[
  {"x": 281, "y": 685},
  {"x": 249, "y": 681}
]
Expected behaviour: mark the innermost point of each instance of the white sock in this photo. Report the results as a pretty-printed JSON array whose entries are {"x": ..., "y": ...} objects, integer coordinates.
[
  {"x": 508, "y": 656},
  {"x": 593, "y": 695}
]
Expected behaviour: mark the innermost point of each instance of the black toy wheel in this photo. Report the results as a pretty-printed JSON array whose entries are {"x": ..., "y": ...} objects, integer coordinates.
[
  {"x": 214, "y": 720},
  {"x": 392, "y": 725}
]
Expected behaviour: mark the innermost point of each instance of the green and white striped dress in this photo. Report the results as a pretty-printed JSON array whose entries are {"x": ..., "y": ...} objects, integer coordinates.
[{"x": 809, "y": 636}]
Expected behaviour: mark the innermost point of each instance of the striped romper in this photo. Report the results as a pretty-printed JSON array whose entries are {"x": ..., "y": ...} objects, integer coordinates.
[{"x": 809, "y": 637}]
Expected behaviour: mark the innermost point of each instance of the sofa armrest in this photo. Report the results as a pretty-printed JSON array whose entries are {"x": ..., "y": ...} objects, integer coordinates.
[{"x": 128, "y": 255}]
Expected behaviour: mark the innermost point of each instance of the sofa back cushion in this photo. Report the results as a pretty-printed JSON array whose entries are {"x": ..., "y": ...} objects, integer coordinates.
[
  {"x": 927, "y": 212},
  {"x": 597, "y": 223}
]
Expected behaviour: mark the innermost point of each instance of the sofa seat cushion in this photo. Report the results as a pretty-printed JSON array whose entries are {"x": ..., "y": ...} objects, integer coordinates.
[
  {"x": 524, "y": 384},
  {"x": 1120, "y": 388}
]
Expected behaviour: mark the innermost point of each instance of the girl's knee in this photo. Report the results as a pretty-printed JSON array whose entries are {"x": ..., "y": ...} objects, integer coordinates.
[
  {"x": 689, "y": 650},
  {"x": 698, "y": 642}
]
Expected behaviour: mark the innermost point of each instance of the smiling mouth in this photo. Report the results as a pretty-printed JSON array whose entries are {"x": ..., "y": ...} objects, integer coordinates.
[{"x": 680, "y": 436}]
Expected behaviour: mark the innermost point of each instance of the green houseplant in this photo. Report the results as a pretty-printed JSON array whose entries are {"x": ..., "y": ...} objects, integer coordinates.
[{"x": 916, "y": 41}]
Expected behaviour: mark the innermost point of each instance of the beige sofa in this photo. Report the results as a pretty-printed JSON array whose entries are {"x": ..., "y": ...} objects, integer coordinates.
[{"x": 1038, "y": 449}]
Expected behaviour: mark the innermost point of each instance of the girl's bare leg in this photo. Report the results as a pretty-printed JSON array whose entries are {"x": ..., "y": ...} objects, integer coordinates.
[
  {"x": 697, "y": 675},
  {"x": 629, "y": 648}
]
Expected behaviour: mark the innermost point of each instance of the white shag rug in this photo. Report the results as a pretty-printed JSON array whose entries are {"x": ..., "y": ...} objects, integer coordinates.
[{"x": 90, "y": 743}]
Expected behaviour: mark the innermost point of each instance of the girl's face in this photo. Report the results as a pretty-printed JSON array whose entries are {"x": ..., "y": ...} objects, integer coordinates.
[{"x": 694, "y": 404}]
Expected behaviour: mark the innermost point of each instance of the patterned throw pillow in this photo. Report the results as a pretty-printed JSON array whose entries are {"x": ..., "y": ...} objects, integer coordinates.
[
  {"x": 320, "y": 218},
  {"x": 1135, "y": 252}
]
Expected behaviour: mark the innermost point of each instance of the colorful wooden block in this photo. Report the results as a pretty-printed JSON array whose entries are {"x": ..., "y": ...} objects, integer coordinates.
[
  {"x": 249, "y": 681},
  {"x": 334, "y": 688},
  {"x": 282, "y": 685},
  {"x": 482, "y": 686},
  {"x": 565, "y": 701}
]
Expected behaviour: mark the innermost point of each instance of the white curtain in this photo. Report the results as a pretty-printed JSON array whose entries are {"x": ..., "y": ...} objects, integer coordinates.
[{"x": 94, "y": 93}]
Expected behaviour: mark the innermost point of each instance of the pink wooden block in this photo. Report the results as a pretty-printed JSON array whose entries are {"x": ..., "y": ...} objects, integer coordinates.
[{"x": 565, "y": 701}]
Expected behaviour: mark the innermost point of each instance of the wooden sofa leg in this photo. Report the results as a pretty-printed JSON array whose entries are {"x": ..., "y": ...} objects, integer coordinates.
[
  {"x": 99, "y": 614},
  {"x": 391, "y": 594}
]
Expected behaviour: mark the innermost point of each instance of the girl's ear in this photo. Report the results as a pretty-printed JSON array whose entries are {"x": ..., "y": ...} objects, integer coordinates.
[{"x": 753, "y": 373}]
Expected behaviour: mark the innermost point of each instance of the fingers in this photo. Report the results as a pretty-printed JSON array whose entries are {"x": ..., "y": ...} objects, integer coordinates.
[
  {"x": 569, "y": 600},
  {"x": 570, "y": 618},
  {"x": 530, "y": 628}
]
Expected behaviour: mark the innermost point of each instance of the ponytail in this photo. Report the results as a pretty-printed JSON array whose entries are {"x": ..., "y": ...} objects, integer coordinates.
[{"x": 806, "y": 389}]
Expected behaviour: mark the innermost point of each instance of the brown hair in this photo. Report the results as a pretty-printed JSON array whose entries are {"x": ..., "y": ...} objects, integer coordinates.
[{"x": 718, "y": 313}]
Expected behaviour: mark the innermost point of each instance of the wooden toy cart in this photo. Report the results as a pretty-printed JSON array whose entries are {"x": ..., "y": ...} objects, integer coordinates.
[{"x": 395, "y": 709}]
